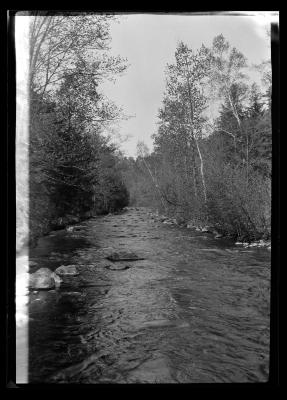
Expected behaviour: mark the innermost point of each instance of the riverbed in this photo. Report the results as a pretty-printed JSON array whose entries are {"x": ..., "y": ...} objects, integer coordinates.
[{"x": 195, "y": 310}]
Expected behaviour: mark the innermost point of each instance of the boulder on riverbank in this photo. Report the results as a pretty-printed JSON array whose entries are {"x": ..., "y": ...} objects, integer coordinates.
[
  {"x": 42, "y": 279},
  {"x": 218, "y": 235},
  {"x": 74, "y": 228},
  {"x": 206, "y": 229}
]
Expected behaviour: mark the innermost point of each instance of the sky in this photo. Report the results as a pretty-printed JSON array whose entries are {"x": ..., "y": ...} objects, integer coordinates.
[{"x": 149, "y": 41}]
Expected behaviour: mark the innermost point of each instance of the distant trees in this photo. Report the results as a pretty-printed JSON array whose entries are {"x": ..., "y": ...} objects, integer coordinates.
[{"x": 221, "y": 178}]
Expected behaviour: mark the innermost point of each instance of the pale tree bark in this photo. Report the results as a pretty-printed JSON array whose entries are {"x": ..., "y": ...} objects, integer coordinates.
[
  {"x": 236, "y": 115},
  {"x": 194, "y": 136}
]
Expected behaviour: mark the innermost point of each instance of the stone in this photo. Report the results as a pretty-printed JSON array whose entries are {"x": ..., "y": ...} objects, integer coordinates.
[
  {"x": 78, "y": 227},
  {"x": 123, "y": 256},
  {"x": 117, "y": 267},
  {"x": 67, "y": 270},
  {"x": 32, "y": 263},
  {"x": 42, "y": 279},
  {"x": 57, "y": 279}
]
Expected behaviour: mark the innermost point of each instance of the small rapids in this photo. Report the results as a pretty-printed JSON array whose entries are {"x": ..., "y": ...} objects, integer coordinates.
[{"x": 195, "y": 310}]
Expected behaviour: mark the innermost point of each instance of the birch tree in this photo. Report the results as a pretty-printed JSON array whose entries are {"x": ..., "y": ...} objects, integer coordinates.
[
  {"x": 184, "y": 103},
  {"x": 227, "y": 75}
]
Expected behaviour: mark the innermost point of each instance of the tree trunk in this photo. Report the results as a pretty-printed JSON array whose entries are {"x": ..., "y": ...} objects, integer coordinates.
[
  {"x": 194, "y": 138},
  {"x": 201, "y": 171}
]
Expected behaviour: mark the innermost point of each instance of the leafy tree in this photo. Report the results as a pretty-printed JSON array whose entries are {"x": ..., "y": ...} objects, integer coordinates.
[
  {"x": 182, "y": 113},
  {"x": 227, "y": 171},
  {"x": 58, "y": 42},
  {"x": 68, "y": 118}
]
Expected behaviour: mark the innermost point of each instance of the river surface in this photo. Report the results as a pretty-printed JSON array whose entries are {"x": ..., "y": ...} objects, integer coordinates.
[{"x": 195, "y": 310}]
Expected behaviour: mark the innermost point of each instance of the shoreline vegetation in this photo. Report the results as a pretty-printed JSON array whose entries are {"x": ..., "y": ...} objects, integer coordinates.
[
  {"x": 71, "y": 222},
  {"x": 206, "y": 172},
  {"x": 211, "y": 230},
  {"x": 212, "y": 175}
]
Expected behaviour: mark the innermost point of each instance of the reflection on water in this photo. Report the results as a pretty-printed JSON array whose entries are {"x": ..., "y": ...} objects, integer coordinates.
[{"x": 195, "y": 310}]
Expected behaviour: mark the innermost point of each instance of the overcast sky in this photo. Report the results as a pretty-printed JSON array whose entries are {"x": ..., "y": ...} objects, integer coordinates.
[{"x": 149, "y": 41}]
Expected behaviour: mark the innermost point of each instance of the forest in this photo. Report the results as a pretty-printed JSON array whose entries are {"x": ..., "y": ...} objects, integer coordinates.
[
  {"x": 210, "y": 173},
  {"x": 73, "y": 171},
  {"x": 143, "y": 199},
  {"x": 202, "y": 171}
]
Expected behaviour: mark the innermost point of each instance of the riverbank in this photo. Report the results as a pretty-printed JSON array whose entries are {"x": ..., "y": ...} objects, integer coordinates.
[
  {"x": 215, "y": 231},
  {"x": 26, "y": 239}
]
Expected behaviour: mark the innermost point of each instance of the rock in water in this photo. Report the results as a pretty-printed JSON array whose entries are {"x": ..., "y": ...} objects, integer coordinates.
[
  {"x": 70, "y": 270},
  {"x": 124, "y": 256},
  {"x": 57, "y": 279},
  {"x": 42, "y": 279},
  {"x": 118, "y": 267}
]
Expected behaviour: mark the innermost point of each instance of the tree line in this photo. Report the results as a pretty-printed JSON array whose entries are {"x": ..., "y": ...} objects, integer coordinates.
[
  {"x": 73, "y": 165},
  {"x": 203, "y": 170}
]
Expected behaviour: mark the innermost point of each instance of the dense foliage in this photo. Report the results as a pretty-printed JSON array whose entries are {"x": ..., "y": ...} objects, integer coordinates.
[
  {"x": 73, "y": 166},
  {"x": 203, "y": 171}
]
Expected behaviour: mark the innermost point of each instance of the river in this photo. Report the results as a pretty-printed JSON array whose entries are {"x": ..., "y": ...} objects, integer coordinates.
[{"x": 195, "y": 310}]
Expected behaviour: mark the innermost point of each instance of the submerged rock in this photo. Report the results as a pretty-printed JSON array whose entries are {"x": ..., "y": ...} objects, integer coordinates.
[
  {"x": 123, "y": 256},
  {"x": 70, "y": 270},
  {"x": 42, "y": 279},
  {"x": 118, "y": 267}
]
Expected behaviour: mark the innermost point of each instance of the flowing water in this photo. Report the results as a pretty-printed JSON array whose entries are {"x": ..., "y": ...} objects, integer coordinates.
[{"x": 196, "y": 309}]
